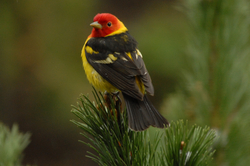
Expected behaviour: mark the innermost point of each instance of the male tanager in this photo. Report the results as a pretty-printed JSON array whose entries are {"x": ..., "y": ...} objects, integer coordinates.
[{"x": 113, "y": 63}]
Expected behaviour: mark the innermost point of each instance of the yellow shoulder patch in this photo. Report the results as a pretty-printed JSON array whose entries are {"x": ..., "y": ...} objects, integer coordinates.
[{"x": 90, "y": 50}]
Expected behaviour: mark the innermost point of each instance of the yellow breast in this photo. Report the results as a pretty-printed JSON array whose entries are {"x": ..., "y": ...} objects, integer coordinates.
[{"x": 94, "y": 78}]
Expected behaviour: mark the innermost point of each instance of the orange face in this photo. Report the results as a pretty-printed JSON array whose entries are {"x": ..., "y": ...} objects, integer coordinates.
[{"x": 104, "y": 24}]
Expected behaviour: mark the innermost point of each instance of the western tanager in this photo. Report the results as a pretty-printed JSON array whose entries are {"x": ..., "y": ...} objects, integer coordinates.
[{"x": 113, "y": 63}]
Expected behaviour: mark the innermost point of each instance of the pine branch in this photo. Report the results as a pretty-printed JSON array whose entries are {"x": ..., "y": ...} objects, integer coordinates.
[
  {"x": 110, "y": 137},
  {"x": 107, "y": 130},
  {"x": 188, "y": 146}
]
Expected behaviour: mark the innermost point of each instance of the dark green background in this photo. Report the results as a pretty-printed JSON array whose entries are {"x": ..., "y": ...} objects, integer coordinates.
[{"x": 41, "y": 72}]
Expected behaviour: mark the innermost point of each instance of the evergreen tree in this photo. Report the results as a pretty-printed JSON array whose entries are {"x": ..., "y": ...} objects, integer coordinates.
[{"x": 216, "y": 85}]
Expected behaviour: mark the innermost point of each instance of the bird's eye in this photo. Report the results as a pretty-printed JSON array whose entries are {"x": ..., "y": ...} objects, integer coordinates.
[{"x": 109, "y": 24}]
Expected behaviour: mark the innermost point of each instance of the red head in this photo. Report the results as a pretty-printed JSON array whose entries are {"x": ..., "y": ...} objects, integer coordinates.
[{"x": 106, "y": 24}]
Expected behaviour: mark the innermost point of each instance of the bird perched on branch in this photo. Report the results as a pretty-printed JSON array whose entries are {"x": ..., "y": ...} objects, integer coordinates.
[{"x": 113, "y": 63}]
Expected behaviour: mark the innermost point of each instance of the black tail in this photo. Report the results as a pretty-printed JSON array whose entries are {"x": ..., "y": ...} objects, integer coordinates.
[{"x": 142, "y": 114}]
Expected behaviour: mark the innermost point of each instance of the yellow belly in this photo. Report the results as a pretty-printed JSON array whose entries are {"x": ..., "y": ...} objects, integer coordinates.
[
  {"x": 98, "y": 81},
  {"x": 94, "y": 78}
]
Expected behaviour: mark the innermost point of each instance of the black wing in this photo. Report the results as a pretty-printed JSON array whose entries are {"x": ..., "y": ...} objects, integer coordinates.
[{"x": 117, "y": 67}]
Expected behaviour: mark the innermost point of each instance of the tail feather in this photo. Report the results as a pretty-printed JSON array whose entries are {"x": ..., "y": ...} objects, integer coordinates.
[{"x": 142, "y": 114}]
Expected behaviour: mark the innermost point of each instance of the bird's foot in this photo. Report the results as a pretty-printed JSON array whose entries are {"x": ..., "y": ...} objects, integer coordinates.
[{"x": 113, "y": 99}]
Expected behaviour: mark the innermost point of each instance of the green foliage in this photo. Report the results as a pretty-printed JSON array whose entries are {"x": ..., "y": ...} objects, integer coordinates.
[
  {"x": 111, "y": 138},
  {"x": 107, "y": 130},
  {"x": 216, "y": 89},
  {"x": 12, "y": 144},
  {"x": 188, "y": 146}
]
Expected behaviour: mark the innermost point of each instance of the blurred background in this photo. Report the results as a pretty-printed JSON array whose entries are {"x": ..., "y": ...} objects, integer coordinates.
[
  {"x": 196, "y": 51},
  {"x": 41, "y": 73}
]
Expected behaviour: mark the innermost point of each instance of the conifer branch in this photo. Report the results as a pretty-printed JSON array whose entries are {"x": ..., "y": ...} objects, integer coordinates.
[
  {"x": 188, "y": 146},
  {"x": 106, "y": 128}
]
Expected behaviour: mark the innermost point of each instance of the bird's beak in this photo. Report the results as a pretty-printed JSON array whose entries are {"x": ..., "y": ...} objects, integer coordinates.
[{"x": 96, "y": 25}]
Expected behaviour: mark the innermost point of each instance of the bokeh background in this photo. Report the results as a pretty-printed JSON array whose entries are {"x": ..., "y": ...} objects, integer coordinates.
[{"x": 41, "y": 73}]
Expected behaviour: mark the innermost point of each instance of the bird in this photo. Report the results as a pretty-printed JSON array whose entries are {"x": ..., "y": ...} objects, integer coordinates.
[{"x": 113, "y": 63}]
